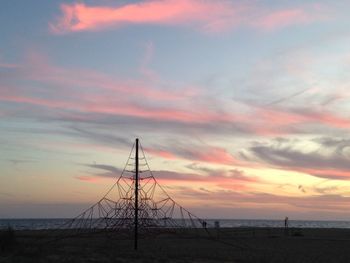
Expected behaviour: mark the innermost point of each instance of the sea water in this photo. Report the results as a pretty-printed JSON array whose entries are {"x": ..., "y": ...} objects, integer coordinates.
[{"x": 53, "y": 223}]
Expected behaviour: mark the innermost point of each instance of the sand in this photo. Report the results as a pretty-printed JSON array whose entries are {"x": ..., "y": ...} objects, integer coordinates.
[{"x": 225, "y": 245}]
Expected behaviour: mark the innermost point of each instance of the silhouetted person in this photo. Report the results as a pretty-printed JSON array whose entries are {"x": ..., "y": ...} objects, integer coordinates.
[
  {"x": 204, "y": 224},
  {"x": 286, "y": 222},
  {"x": 286, "y": 226}
]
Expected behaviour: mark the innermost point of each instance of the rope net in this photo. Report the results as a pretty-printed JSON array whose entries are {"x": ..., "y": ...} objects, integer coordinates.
[{"x": 115, "y": 211}]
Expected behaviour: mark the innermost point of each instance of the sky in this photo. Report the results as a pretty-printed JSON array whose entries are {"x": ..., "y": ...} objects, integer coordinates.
[{"x": 242, "y": 107}]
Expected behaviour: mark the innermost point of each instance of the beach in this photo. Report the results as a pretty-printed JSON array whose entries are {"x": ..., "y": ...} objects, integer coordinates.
[{"x": 221, "y": 245}]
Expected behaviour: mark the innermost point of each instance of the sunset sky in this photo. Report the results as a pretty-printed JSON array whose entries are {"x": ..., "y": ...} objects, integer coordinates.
[{"x": 242, "y": 107}]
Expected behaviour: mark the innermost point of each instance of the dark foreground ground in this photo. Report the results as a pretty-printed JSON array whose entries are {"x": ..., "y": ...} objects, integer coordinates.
[{"x": 227, "y": 245}]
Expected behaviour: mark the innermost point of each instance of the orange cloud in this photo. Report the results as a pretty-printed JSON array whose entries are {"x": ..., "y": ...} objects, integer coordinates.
[{"x": 209, "y": 16}]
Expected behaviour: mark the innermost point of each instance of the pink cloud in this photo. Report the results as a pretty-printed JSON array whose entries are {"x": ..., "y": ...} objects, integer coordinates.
[
  {"x": 282, "y": 121},
  {"x": 113, "y": 106},
  {"x": 330, "y": 119},
  {"x": 80, "y": 17},
  {"x": 144, "y": 67},
  {"x": 215, "y": 155},
  {"x": 283, "y": 18},
  {"x": 232, "y": 185},
  {"x": 208, "y": 154},
  {"x": 161, "y": 153},
  {"x": 90, "y": 179},
  {"x": 104, "y": 94},
  {"x": 8, "y": 65},
  {"x": 37, "y": 101},
  {"x": 209, "y": 16},
  {"x": 95, "y": 92},
  {"x": 268, "y": 123},
  {"x": 39, "y": 68},
  {"x": 280, "y": 116},
  {"x": 225, "y": 179}
]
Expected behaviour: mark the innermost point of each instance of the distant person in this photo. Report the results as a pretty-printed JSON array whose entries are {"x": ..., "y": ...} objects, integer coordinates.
[
  {"x": 217, "y": 224},
  {"x": 204, "y": 224},
  {"x": 286, "y": 222}
]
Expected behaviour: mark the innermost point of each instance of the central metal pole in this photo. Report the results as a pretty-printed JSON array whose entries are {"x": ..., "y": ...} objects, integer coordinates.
[{"x": 136, "y": 192}]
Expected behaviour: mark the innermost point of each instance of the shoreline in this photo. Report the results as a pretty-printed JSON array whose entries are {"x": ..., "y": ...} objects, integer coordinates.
[{"x": 51, "y": 223}]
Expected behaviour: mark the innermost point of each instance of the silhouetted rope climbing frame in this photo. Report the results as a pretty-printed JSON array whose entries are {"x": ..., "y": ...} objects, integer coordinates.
[{"x": 155, "y": 210}]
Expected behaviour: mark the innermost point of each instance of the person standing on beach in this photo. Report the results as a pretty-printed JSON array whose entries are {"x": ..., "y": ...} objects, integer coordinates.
[
  {"x": 286, "y": 226},
  {"x": 286, "y": 222}
]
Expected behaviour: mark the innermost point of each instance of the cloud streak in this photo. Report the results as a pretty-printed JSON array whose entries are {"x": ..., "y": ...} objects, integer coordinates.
[
  {"x": 207, "y": 16},
  {"x": 329, "y": 160},
  {"x": 208, "y": 154},
  {"x": 224, "y": 179},
  {"x": 98, "y": 99}
]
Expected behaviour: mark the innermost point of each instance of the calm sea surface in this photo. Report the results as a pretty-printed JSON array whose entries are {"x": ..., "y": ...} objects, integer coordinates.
[{"x": 34, "y": 224}]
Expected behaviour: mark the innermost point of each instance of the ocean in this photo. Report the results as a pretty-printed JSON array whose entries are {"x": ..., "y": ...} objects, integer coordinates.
[{"x": 53, "y": 223}]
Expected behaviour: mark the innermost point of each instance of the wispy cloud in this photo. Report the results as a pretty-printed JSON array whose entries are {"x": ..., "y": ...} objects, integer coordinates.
[
  {"x": 206, "y": 154},
  {"x": 225, "y": 179},
  {"x": 325, "y": 160},
  {"x": 97, "y": 99},
  {"x": 281, "y": 18},
  {"x": 295, "y": 119},
  {"x": 100, "y": 171},
  {"x": 8, "y": 65},
  {"x": 272, "y": 205},
  {"x": 208, "y": 16},
  {"x": 287, "y": 98},
  {"x": 87, "y": 178},
  {"x": 16, "y": 162}
]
